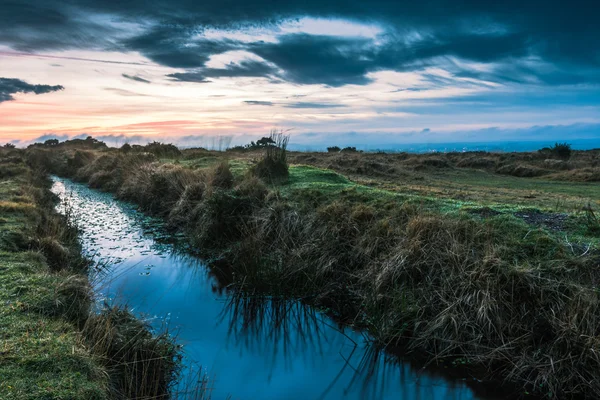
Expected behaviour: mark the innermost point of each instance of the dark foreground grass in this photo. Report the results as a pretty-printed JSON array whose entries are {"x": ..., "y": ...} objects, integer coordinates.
[
  {"x": 51, "y": 345},
  {"x": 451, "y": 279}
]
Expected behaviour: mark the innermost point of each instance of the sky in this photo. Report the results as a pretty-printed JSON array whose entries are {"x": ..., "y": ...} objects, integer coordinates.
[{"x": 376, "y": 73}]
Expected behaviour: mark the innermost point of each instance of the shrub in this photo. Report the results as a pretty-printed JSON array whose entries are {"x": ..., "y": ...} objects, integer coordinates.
[
  {"x": 222, "y": 215},
  {"x": 237, "y": 149},
  {"x": 522, "y": 170},
  {"x": 125, "y": 149},
  {"x": 10, "y": 171},
  {"x": 562, "y": 150},
  {"x": 220, "y": 176},
  {"x": 349, "y": 150},
  {"x": 252, "y": 187},
  {"x": 184, "y": 211},
  {"x": 266, "y": 141},
  {"x": 157, "y": 187},
  {"x": 273, "y": 167},
  {"x": 140, "y": 365},
  {"x": 51, "y": 142},
  {"x": 79, "y": 160},
  {"x": 163, "y": 150},
  {"x": 333, "y": 149},
  {"x": 9, "y": 146}
]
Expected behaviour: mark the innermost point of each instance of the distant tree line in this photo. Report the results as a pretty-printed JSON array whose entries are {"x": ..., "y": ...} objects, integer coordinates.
[
  {"x": 261, "y": 143},
  {"x": 337, "y": 149},
  {"x": 162, "y": 150},
  {"x": 89, "y": 143}
]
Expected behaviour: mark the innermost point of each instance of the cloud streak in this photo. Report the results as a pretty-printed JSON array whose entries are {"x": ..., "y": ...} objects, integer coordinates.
[
  {"x": 135, "y": 78},
  {"x": 11, "y": 86}
]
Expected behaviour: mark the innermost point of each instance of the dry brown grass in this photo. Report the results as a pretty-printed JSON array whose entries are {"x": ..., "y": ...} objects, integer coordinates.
[{"x": 140, "y": 365}]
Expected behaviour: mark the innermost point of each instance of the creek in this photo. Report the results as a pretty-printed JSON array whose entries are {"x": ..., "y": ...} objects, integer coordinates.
[{"x": 250, "y": 348}]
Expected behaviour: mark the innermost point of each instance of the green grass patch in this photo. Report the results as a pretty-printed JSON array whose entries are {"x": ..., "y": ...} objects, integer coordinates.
[{"x": 41, "y": 355}]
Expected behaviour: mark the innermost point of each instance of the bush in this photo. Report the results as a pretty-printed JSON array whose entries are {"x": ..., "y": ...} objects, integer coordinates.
[
  {"x": 349, "y": 150},
  {"x": 125, "y": 149},
  {"x": 252, "y": 187},
  {"x": 163, "y": 150},
  {"x": 273, "y": 167},
  {"x": 79, "y": 160},
  {"x": 157, "y": 187},
  {"x": 562, "y": 150},
  {"x": 221, "y": 176},
  {"x": 237, "y": 149},
  {"x": 333, "y": 149},
  {"x": 140, "y": 365}
]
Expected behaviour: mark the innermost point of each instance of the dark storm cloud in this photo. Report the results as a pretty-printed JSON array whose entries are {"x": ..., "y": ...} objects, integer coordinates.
[
  {"x": 135, "y": 78},
  {"x": 51, "y": 25},
  {"x": 246, "y": 68},
  {"x": 338, "y": 61},
  {"x": 9, "y": 86},
  {"x": 562, "y": 36},
  {"x": 309, "y": 59}
]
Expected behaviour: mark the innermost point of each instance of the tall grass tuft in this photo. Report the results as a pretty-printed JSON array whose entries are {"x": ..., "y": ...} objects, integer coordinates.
[
  {"x": 273, "y": 167},
  {"x": 140, "y": 365}
]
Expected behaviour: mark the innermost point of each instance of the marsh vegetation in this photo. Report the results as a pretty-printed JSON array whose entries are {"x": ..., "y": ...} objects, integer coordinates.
[{"x": 484, "y": 260}]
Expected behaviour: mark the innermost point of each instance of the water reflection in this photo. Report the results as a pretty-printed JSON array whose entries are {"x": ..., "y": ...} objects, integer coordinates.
[
  {"x": 251, "y": 347},
  {"x": 287, "y": 328}
]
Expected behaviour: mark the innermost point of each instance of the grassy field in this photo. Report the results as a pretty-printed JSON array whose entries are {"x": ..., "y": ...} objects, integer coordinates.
[
  {"x": 485, "y": 260},
  {"x": 52, "y": 346},
  {"x": 41, "y": 353}
]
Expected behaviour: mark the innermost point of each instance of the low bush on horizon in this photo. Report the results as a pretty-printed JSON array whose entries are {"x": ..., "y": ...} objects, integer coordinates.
[
  {"x": 559, "y": 150},
  {"x": 162, "y": 150}
]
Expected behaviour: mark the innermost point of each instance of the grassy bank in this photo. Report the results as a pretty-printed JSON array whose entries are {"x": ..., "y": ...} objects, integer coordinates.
[
  {"x": 51, "y": 345},
  {"x": 504, "y": 282}
]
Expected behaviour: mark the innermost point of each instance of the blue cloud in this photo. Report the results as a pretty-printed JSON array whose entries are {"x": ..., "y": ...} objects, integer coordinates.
[{"x": 10, "y": 86}]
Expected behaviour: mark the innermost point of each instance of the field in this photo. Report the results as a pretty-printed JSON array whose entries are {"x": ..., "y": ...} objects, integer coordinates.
[{"x": 489, "y": 261}]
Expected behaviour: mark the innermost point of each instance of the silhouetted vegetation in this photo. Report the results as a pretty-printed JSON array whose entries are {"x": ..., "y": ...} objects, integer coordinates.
[
  {"x": 162, "y": 150},
  {"x": 126, "y": 148},
  {"x": 273, "y": 166},
  {"x": 333, "y": 149},
  {"x": 348, "y": 150},
  {"x": 88, "y": 143},
  {"x": 264, "y": 142},
  {"x": 562, "y": 150}
]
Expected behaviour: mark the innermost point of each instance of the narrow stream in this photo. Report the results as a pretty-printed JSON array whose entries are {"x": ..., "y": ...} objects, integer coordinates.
[{"x": 250, "y": 348}]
